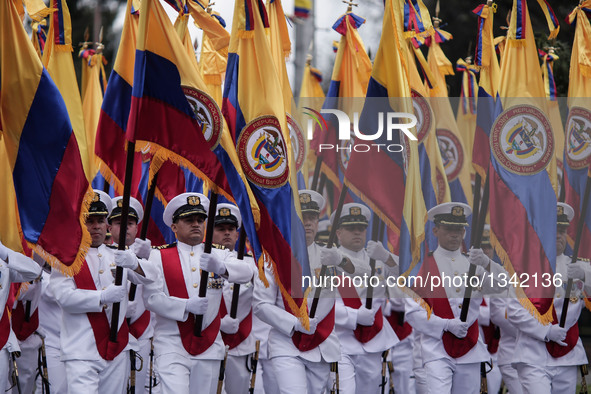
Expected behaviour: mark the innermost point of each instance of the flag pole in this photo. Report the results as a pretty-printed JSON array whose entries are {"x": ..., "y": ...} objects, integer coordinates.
[
  {"x": 377, "y": 233},
  {"x": 331, "y": 241},
  {"x": 213, "y": 202},
  {"x": 236, "y": 291},
  {"x": 122, "y": 234},
  {"x": 580, "y": 224},
  {"x": 476, "y": 243},
  {"x": 145, "y": 223}
]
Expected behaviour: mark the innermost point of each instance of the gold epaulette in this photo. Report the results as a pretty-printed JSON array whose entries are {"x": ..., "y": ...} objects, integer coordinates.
[
  {"x": 115, "y": 247},
  {"x": 172, "y": 245},
  {"x": 322, "y": 244},
  {"x": 584, "y": 259},
  {"x": 218, "y": 246}
]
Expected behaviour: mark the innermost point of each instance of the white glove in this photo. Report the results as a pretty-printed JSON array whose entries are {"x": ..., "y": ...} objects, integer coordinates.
[
  {"x": 229, "y": 325},
  {"x": 126, "y": 259},
  {"x": 142, "y": 248},
  {"x": 131, "y": 309},
  {"x": 3, "y": 252},
  {"x": 366, "y": 317},
  {"x": 477, "y": 257},
  {"x": 376, "y": 251},
  {"x": 313, "y": 324},
  {"x": 557, "y": 334},
  {"x": 113, "y": 294},
  {"x": 197, "y": 305},
  {"x": 330, "y": 256},
  {"x": 208, "y": 262},
  {"x": 457, "y": 327},
  {"x": 41, "y": 332},
  {"x": 575, "y": 271}
]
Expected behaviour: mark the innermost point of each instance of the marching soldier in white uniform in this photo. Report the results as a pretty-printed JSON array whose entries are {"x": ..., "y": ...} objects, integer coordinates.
[
  {"x": 184, "y": 362},
  {"x": 547, "y": 356},
  {"x": 451, "y": 350},
  {"x": 301, "y": 358},
  {"x": 14, "y": 268},
  {"x": 94, "y": 363},
  {"x": 140, "y": 322},
  {"x": 236, "y": 332},
  {"x": 364, "y": 333}
]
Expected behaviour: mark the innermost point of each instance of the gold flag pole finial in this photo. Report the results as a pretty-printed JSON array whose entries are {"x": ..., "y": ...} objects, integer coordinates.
[
  {"x": 85, "y": 44},
  {"x": 436, "y": 19},
  {"x": 350, "y": 5}
]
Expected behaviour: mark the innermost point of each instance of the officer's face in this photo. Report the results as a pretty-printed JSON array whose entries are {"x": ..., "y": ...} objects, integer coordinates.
[
  {"x": 189, "y": 229},
  {"x": 352, "y": 237},
  {"x": 488, "y": 251},
  {"x": 115, "y": 229},
  {"x": 449, "y": 237},
  {"x": 225, "y": 234},
  {"x": 97, "y": 227},
  {"x": 560, "y": 239},
  {"x": 311, "y": 226}
]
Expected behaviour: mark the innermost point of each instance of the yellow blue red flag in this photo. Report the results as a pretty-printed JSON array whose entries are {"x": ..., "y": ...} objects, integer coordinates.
[{"x": 52, "y": 192}]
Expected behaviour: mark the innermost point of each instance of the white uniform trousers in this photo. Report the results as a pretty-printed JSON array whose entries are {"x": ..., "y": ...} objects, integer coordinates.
[
  {"x": 547, "y": 380},
  {"x": 237, "y": 377},
  {"x": 27, "y": 363},
  {"x": 360, "y": 373},
  {"x": 265, "y": 382},
  {"x": 56, "y": 372},
  {"x": 183, "y": 375},
  {"x": 141, "y": 377},
  {"x": 98, "y": 376},
  {"x": 402, "y": 361},
  {"x": 4, "y": 369},
  {"x": 511, "y": 379},
  {"x": 494, "y": 378},
  {"x": 445, "y": 376},
  {"x": 298, "y": 376}
]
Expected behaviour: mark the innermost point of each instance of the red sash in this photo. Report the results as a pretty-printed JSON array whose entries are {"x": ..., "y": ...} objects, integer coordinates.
[
  {"x": 4, "y": 327},
  {"x": 401, "y": 328},
  {"x": 305, "y": 342},
  {"x": 362, "y": 333},
  {"x": 244, "y": 328},
  {"x": 175, "y": 281},
  {"x": 99, "y": 322},
  {"x": 23, "y": 329},
  {"x": 572, "y": 337},
  {"x": 454, "y": 346},
  {"x": 138, "y": 327}
]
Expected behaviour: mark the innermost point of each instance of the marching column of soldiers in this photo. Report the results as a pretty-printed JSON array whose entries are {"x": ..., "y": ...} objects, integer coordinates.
[{"x": 369, "y": 338}]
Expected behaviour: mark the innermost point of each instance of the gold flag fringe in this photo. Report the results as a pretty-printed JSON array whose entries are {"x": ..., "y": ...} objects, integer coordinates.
[
  {"x": 418, "y": 299},
  {"x": 162, "y": 153},
  {"x": 547, "y": 317},
  {"x": 55, "y": 263},
  {"x": 300, "y": 312},
  {"x": 110, "y": 177}
]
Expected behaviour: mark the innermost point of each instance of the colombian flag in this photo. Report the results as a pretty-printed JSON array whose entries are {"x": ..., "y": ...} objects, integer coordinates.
[
  {"x": 577, "y": 149},
  {"x": 522, "y": 199},
  {"x": 110, "y": 143},
  {"x": 255, "y": 112},
  {"x": 395, "y": 195},
  {"x": 350, "y": 76},
  {"x": 450, "y": 142},
  {"x": 487, "y": 108},
  {"x": 52, "y": 192}
]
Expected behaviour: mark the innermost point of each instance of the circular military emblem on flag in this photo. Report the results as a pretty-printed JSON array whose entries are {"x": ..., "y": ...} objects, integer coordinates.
[
  {"x": 452, "y": 153},
  {"x": 208, "y": 115},
  {"x": 263, "y": 152},
  {"x": 424, "y": 115},
  {"x": 578, "y": 138},
  {"x": 298, "y": 143},
  {"x": 521, "y": 140}
]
